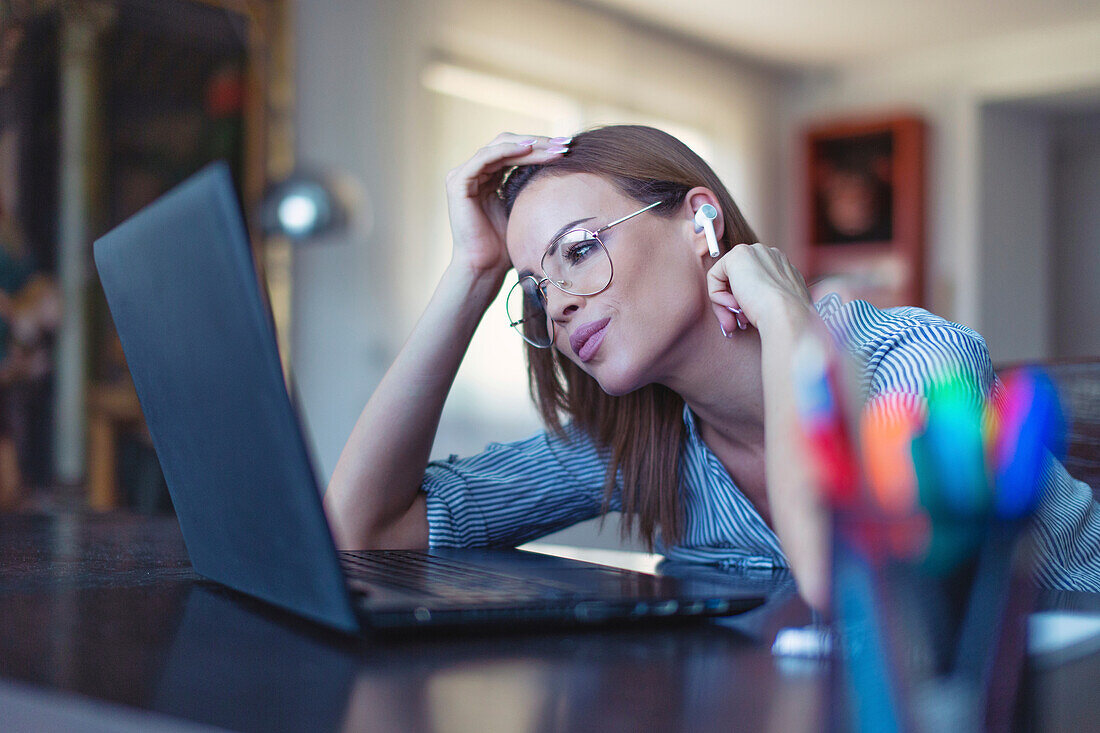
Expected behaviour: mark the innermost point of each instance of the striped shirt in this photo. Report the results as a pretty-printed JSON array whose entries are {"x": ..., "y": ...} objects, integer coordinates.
[{"x": 516, "y": 492}]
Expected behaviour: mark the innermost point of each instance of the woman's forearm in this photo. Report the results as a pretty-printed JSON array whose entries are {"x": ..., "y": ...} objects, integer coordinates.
[
  {"x": 800, "y": 519},
  {"x": 372, "y": 499},
  {"x": 375, "y": 483}
]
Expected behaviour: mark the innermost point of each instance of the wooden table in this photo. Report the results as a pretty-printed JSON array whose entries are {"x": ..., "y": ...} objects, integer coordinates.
[{"x": 103, "y": 624}]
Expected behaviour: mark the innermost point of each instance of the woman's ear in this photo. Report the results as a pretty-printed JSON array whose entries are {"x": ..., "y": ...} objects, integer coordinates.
[{"x": 695, "y": 199}]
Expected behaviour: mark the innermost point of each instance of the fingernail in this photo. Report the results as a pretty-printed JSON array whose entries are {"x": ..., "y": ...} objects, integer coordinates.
[
  {"x": 561, "y": 140},
  {"x": 557, "y": 150},
  {"x": 528, "y": 141}
]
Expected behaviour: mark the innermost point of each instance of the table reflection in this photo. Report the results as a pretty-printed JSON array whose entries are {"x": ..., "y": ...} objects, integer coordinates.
[
  {"x": 238, "y": 664},
  {"x": 107, "y": 606}
]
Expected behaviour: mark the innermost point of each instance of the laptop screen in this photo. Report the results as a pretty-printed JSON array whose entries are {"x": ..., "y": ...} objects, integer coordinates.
[{"x": 200, "y": 344}]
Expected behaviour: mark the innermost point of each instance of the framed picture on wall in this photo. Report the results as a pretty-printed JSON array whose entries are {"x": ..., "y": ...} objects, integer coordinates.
[{"x": 865, "y": 203}]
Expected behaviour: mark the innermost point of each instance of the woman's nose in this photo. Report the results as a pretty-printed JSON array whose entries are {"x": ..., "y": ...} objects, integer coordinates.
[{"x": 560, "y": 304}]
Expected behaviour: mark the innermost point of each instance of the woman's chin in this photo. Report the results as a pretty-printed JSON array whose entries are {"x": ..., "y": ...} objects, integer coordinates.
[
  {"x": 616, "y": 383},
  {"x": 615, "y": 392}
]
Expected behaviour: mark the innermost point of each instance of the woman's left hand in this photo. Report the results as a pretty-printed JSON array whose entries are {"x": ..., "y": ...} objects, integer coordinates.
[
  {"x": 751, "y": 284},
  {"x": 770, "y": 292}
]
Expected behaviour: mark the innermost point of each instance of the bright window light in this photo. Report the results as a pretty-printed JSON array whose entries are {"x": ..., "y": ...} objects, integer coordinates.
[{"x": 494, "y": 91}]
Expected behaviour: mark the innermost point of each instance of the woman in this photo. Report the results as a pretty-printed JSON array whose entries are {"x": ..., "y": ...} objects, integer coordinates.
[{"x": 670, "y": 366}]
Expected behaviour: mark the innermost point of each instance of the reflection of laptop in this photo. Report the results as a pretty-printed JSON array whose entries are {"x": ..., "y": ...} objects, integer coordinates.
[
  {"x": 200, "y": 345},
  {"x": 233, "y": 670}
]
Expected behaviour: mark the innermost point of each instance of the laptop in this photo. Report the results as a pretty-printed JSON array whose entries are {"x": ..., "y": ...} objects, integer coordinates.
[{"x": 199, "y": 340}]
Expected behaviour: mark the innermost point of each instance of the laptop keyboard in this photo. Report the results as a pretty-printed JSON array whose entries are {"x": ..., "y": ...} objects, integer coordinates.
[{"x": 447, "y": 580}]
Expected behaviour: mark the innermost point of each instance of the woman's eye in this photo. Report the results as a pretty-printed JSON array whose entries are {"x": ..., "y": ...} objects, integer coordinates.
[{"x": 578, "y": 251}]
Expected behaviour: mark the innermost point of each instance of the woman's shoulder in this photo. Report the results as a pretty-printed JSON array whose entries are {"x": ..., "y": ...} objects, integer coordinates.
[
  {"x": 904, "y": 347},
  {"x": 861, "y": 327}
]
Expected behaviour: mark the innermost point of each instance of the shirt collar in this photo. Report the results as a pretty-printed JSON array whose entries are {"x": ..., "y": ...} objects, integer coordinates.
[
  {"x": 690, "y": 426},
  {"x": 828, "y": 306}
]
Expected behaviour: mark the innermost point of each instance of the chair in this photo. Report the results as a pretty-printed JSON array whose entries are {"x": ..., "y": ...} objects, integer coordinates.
[
  {"x": 112, "y": 408},
  {"x": 1078, "y": 383}
]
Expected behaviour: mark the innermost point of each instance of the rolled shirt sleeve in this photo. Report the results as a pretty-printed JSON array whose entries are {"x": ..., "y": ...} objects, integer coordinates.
[{"x": 515, "y": 492}]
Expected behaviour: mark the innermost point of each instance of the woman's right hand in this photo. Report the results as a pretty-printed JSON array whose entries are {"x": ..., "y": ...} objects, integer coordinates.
[{"x": 476, "y": 212}]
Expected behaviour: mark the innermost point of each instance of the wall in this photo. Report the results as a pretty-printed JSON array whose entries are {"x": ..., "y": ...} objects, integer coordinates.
[
  {"x": 1075, "y": 152},
  {"x": 949, "y": 87},
  {"x": 354, "y": 68},
  {"x": 1014, "y": 231}
]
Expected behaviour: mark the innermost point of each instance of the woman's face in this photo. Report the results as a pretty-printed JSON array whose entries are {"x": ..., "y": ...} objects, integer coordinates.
[{"x": 633, "y": 332}]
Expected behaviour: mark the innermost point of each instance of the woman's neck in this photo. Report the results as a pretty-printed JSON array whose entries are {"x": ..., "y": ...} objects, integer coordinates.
[
  {"x": 723, "y": 385},
  {"x": 720, "y": 380}
]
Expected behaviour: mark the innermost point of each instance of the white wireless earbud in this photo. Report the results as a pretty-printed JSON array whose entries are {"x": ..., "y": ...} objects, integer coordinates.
[{"x": 704, "y": 220}]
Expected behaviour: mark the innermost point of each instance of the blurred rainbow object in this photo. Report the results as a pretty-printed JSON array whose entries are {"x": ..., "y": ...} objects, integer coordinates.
[
  {"x": 1029, "y": 420},
  {"x": 929, "y": 493},
  {"x": 932, "y": 468},
  {"x": 825, "y": 426}
]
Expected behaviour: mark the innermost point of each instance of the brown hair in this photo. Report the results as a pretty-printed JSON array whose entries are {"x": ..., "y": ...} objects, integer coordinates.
[{"x": 644, "y": 429}]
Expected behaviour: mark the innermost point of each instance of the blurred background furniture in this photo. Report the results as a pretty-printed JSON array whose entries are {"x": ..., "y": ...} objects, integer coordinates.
[
  {"x": 112, "y": 408},
  {"x": 104, "y": 105}
]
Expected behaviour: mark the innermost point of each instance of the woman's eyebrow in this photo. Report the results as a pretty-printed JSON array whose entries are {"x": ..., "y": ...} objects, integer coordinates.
[
  {"x": 567, "y": 227},
  {"x": 552, "y": 247}
]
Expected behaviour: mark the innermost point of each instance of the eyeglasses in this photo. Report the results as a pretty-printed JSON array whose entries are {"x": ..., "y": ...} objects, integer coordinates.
[{"x": 577, "y": 263}]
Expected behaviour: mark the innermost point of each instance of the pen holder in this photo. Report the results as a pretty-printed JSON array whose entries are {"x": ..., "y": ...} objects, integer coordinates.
[
  {"x": 930, "y": 490},
  {"x": 930, "y": 621}
]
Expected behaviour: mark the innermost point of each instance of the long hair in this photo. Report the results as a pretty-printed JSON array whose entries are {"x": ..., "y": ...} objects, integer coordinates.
[{"x": 644, "y": 429}]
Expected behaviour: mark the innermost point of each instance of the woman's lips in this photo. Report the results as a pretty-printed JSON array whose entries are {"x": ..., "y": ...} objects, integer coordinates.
[{"x": 586, "y": 340}]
